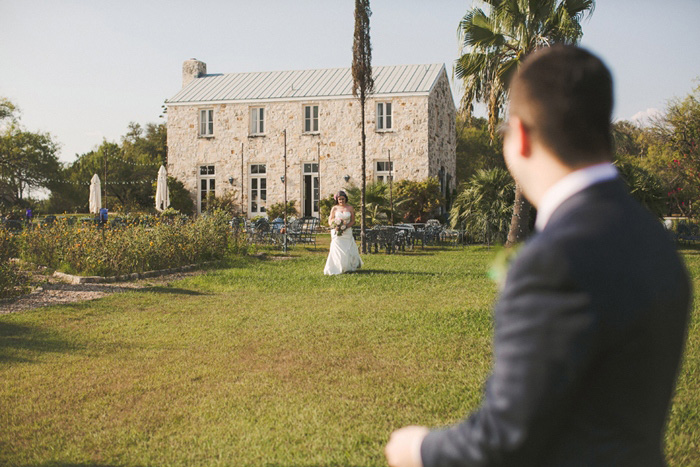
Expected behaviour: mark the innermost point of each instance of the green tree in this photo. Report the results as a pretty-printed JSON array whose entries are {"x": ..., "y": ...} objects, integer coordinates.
[
  {"x": 417, "y": 201},
  {"x": 131, "y": 166},
  {"x": 494, "y": 43},
  {"x": 7, "y": 109},
  {"x": 362, "y": 87},
  {"x": 475, "y": 148},
  {"x": 670, "y": 149},
  {"x": 27, "y": 161},
  {"x": 627, "y": 139},
  {"x": 483, "y": 206},
  {"x": 644, "y": 186}
]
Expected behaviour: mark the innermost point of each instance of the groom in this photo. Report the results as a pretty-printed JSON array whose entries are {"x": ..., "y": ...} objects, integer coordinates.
[{"x": 590, "y": 326}]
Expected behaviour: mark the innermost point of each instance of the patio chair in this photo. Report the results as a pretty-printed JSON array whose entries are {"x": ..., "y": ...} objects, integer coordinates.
[
  {"x": 303, "y": 230},
  {"x": 260, "y": 232},
  {"x": 384, "y": 237}
]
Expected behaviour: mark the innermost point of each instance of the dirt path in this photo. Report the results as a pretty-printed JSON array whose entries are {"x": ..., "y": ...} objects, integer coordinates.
[{"x": 55, "y": 292}]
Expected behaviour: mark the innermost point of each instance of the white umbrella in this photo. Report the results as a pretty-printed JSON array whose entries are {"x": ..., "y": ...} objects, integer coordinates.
[
  {"x": 162, "y": 192},
  {"x": 95, "y": 195}
]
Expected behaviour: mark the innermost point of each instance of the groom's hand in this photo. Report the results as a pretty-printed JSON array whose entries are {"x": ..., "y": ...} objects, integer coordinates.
[{"x": 403, "y": 448}]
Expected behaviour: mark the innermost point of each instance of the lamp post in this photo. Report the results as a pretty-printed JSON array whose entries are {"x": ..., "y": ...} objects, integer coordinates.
[
  {"x": 284, "y": 179},
  {"x": 391, "y": 194},
  {"x": 244, "y": 211}
]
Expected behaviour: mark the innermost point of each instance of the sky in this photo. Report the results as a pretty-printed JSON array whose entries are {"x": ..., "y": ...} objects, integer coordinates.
[{"x": 82, "y": 70}]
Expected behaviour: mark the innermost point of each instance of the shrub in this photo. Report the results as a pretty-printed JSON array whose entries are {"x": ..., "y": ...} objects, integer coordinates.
[
  {"x": 12, "y": 281},
  {"x": 417, "y": 201},
  {"x": 484, "y": 206},
  {"x": 277, "y": 210},
  {"x": 377, "y": 205},
  {"x": 326, "y": 204},
  {"x": 143, "y": 245},
  {"x": 228, "y": 202},
  {"x": 644, "y": 186},
  {"x": 180, "y": 197}
]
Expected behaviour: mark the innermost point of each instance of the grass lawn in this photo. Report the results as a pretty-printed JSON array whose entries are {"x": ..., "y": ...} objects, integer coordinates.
[{"x": 266, "y": 362}]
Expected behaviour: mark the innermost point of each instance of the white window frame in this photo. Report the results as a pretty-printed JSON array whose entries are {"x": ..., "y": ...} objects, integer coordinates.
[
  {"x": 257, "y": 184},
  {"x": 310, "y": 113},
  {"x": 386, "y": 172},
  {"x": 385, "y": 116},
  {"x": 310, "y": 168},
  {"x": 257, "y": 121},
  {"x": 206, "y": 123},
  {"x": 209, "y": 178}
]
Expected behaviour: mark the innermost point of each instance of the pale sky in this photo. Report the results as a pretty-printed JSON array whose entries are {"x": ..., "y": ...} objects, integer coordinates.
[{"x": 83, "y": 69}]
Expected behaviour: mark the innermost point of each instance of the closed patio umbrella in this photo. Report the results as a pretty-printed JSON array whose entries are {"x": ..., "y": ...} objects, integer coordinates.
[
  {"x": 162, "y": 192},
  {"x": 95, "y": 195}
]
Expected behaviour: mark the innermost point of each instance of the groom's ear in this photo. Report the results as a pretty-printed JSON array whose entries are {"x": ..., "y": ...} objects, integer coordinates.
[{"x": 522, "y": 137}]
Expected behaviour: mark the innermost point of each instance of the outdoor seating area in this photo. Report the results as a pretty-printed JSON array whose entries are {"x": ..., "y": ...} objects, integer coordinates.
[
  {"x": 401, "y": 237},
  {"x": 390, "y": 239},
  {"x": 261, "y": 231}
]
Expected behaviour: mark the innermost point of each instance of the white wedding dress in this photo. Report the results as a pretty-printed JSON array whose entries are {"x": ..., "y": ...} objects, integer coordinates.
[{"x": 343, "y": 255}]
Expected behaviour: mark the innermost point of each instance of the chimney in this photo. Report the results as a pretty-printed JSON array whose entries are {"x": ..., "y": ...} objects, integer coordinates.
[{"x": 192, "y": 69}]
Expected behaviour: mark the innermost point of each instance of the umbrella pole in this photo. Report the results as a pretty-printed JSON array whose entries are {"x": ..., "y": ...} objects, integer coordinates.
[{"x": 105, "y": 189}]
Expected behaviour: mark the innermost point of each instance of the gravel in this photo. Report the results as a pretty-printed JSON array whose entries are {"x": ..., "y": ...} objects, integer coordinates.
[{"x": 54, "y": 292}]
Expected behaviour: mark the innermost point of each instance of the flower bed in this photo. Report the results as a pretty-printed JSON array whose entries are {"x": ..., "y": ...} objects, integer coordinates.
[
  {"x": 92, "y": 250},
  {"x": 12, "y": 281}
]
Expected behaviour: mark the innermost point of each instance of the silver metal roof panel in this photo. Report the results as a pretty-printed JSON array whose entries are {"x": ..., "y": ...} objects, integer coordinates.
[{"x": 305, "y": 84}]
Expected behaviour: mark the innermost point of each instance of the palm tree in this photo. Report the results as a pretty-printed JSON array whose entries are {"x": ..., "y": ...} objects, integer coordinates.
[
  {"x": 494, "y": 43},
  {"x": 376, "y": 201},
  {"x": 362, "y": 87},
  {"x": 483, "y": 207}
]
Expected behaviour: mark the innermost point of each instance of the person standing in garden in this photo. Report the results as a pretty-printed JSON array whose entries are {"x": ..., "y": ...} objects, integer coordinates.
[
  {"x": 592, "y": 319},
  {"x": 343, "y": 255}
]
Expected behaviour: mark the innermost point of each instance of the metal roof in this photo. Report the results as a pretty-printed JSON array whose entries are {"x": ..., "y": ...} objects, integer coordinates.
[{"x": 305, "y": 84}]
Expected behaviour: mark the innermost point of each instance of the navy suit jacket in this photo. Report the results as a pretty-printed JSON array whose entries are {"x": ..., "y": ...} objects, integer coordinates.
[{"x": 589, "y": 331}]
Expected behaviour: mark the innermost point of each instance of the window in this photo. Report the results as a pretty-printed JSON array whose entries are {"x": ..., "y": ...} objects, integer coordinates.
[
  {"x": 384, "y": 116},
  {"x": 257, "y": 121},
  {"x": 206, "y": 122},
  {"x": 258, "y": 189},
  {"x": 311, "y": 119},
  {"x": 383, "y": 171},
  {"x": 207, "y": 186}
]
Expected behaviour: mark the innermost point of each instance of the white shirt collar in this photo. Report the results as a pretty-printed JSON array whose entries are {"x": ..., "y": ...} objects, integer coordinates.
[{"x": 569, "y": 186}]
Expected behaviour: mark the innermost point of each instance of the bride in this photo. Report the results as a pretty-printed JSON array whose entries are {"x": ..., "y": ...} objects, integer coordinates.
[{"x": 343, "y": 255}]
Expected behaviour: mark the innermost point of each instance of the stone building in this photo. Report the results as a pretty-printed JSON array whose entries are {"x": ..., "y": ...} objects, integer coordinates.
[{"x": 231, "y": 131}]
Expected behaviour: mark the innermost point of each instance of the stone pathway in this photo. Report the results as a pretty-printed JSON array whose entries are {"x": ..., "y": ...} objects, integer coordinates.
[{"x": 51, "y": 291}]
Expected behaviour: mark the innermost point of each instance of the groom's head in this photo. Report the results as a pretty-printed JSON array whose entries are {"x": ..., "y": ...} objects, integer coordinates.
[{"x": 563, "y": 96}]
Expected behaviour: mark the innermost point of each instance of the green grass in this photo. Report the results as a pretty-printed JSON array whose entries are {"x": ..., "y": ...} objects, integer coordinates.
[{"x": 265, "y": 362}]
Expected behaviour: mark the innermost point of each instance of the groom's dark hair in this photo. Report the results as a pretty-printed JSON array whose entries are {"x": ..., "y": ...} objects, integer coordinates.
[{"x": 564, "y": 97}]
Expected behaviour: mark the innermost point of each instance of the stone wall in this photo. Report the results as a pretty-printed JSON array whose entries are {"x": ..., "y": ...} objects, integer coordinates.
[
  {"x": 442, "y": 143},
  {"x": 338, "y": 142}
]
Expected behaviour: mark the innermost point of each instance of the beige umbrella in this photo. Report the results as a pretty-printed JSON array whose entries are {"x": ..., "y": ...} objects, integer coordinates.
[
  {"x": 95, "y": 195},
  {"x": 162, "y": 192}
]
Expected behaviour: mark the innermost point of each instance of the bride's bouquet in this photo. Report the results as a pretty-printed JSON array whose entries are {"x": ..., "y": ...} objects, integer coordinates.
[{"x": 339, "y": 226}]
